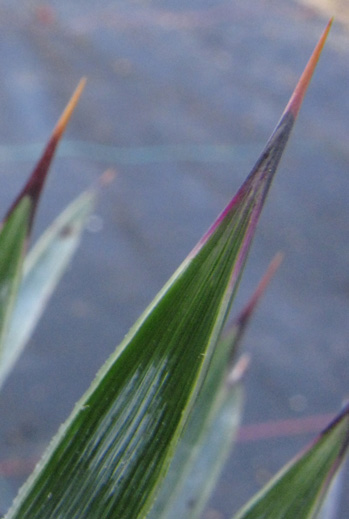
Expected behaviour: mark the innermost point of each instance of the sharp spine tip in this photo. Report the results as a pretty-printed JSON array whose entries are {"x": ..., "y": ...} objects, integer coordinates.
[
  {"x": 295, "y": 102},
  {"x": 69, "y": 109}
]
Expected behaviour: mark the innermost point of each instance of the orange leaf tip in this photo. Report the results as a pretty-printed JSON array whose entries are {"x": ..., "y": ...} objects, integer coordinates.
[
  {"x": 295, "y": 102},
  {"x": 35, "y": 183},
  {"x": 69, "y": 109}
]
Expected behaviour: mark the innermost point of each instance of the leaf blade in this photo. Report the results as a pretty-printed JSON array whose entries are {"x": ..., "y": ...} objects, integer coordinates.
[
  {"x": 43, "y": 268},
  {"x": 12, "y": 244},
  {"x": 300, "y": 488},
  {"x": 114, "y": 450},
  {"x": 212, "y": 424},
  {"x": 35, "y": 184}
]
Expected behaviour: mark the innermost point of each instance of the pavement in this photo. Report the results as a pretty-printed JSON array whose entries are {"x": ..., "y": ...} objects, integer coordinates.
[{"x": 181, "y": 97}]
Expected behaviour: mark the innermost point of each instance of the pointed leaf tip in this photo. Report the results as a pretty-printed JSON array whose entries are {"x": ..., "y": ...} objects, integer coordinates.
[
  {"x": 297, "y": 97},
  {"x": 36, "y": 181},
  {"x": 246, "y": 313},
  {"x": 69, "y": 109},
  {"x": 257, "y": 184},
  {"x": 238, "y": 371}
]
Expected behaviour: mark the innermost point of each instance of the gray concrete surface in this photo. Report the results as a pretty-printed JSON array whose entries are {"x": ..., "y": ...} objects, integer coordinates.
[{"x": 181, "y": 98}]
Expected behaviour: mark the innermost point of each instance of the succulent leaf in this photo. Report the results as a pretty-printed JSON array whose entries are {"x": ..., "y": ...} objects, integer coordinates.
[
  {"x": 300, "y": 488},
  {"x": 42, "y": 270},
  {"x": 110, "y": 457},
  {"x": 34, "y": 185}
]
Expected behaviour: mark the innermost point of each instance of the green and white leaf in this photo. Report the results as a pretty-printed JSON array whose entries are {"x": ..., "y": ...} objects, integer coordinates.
[
  {"x": 299, "y": 490},
  {"x": 114, "y": 451},
  {"x": 12, "y": 244},
  {"x": 111, "y": 456},
  {"x": 43, "y": 269}
]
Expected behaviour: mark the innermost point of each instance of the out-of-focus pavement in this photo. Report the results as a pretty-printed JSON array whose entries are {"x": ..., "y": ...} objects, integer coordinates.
[{"x": 181, "y": 98}]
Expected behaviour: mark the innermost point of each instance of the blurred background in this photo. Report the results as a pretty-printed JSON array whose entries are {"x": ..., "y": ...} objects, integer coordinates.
[{"x": 180, "y": 100}]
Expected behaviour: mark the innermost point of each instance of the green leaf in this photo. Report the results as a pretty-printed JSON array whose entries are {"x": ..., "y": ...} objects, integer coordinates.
[
  {"x": 111, "y": 455},
  {"x": 43, "y": 268},
  {"x": 212, "y": 425},
  {"x": 12, "y": 244},
  {"x": 202, "y": 450},
  {"x": 300, "y": 488}
]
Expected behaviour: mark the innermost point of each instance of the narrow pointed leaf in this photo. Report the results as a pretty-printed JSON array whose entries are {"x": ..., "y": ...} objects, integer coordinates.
[
  {"x": 34, "y": 186},
  {"x": 211, "y": 427},
  {"x": 43, "y": 268},
  {"x": 300, "y": 488},
  {"x": 110, "y": 457},
  {"x": 12, "y": 246},
  {"x": 12, "y": 243},
  {"x": 212, "y": 452}
]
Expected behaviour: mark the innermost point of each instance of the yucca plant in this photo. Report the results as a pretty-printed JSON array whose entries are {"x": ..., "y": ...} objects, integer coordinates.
[{"x": 151, "y": 434}]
